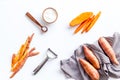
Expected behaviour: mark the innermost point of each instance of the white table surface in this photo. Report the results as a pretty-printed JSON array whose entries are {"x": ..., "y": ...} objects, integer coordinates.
[{"x": 15, "y": 27}]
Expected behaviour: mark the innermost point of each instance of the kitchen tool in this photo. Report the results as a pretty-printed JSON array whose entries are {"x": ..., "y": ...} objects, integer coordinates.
[
  {"x": 49, "y": 15},
  {"x": 50, "y": 55},
  {"x": 43, "y": 28}
]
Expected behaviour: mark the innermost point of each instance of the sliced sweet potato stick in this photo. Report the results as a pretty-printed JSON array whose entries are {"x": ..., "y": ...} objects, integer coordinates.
[
  {"x": 80, "y": 18},
  {"x": 15, "y": 67},
  {"x": 87, "y": 24},
  {"x": 31, "y": 53},
  {"x": 94, "y": 21},
  {"x": 19, "y": 65},
  {"x": 14, "y": 59},
  {"x": 23, "y": 54},
  {"x": 22, "y": 50},
  {"x": 80, "y": 26},
  {"x": 21, "y": 62},
  {"x": 31, "y": 50},
  {"x": 26, "y": 45}
]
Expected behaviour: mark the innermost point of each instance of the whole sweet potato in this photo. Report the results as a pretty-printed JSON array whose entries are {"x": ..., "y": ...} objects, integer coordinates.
[
  {"x": 108, "y": 50},
  {"x": 89, "y": 69},
  {"x": 91, "y": 57}
]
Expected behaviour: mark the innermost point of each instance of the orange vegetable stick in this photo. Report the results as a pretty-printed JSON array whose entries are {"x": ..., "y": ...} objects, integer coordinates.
[
  {"x": 27, "y": 43},
  {"x": 20, "y": 61},
  {"x": 89, "y": 69},
  {"x": 81, "y": 26},
  {"x": 91, "y": 57},
  {"x": 20, "y": 52},
  {"x": 108, "y": 50},
  {"x": 80, "y": 18},
  {"x": 94, "y": 21},
  {"x": 31, "y": 50},
  {"x": 23, "y": 48},
  {"x": 87, "y": 24},
  {"x": 23, "y": 54},
  {"x": 14, "y": 59},
  {"x": 19, "y": 65},
  {"x": 31, "y": 53}
]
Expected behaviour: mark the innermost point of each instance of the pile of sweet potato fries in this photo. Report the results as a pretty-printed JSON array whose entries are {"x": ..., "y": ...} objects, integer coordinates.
[{"x": 19, "y": 59}]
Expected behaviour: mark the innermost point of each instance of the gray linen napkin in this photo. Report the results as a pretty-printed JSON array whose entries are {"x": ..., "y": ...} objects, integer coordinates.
[{"x": 72, "y": 68}]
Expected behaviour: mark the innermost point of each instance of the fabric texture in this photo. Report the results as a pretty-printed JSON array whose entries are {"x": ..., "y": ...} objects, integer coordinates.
[{"x": 72, "y": 68}]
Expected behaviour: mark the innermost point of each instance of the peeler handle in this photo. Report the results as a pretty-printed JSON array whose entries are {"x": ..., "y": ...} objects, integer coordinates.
[{"x": 36, "y": 70}]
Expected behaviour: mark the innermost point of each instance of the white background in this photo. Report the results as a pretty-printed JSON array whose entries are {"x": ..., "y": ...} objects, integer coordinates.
[{"x": 15, "y": 27}]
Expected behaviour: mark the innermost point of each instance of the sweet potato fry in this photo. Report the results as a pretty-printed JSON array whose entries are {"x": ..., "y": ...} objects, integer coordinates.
[
  {"x": 21, "y": 50},
  {"x": 94, "y": 21},
  {"x": 19, "y": 65},
  {"x": 19, "y": 62},
  {"x": 14, "y": 59},
  {"x": 26, "y": 44},
  {"x": 31, "y": 53},
  {"x": 80, "y": 18},
  {"x": 19, "y": 59},
  {"x": 108, "y": 50},
  {"x": 91, "y": 57},
  {"x": 89, "y": 69}
]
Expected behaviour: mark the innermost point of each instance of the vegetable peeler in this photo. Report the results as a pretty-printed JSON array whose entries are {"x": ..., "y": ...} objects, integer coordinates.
[{"x": 50, "y": 55}]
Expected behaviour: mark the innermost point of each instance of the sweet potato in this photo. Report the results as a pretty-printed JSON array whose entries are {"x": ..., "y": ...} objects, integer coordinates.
[
  {"x": 87, "y": 24},
  {"x": 19, "y": 59},
  {"x": 94, "y": 21},
  {"x": 89, "y": 69},
  {"x": 80, "y": 18},
  {"x": 81, "y": 26},
  {"x": 19, "y": 65},
  {"x": 108, "y": 50},
  {"x": 91, "y": 57},
  {"x": 14, "y": 59}
]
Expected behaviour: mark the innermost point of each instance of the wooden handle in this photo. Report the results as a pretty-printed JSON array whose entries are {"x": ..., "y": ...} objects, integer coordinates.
[{"x": 33, "y": 19}]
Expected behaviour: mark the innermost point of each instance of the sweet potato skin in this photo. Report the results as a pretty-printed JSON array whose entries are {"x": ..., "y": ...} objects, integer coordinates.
[
  {"x": 108, "y": 50},
  {"x": 91, "y": 57},
  {"x": 89, "y": 69}
]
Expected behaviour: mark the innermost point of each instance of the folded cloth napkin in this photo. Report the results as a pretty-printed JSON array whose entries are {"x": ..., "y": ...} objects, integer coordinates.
[{"x": 72, "y": 68}]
